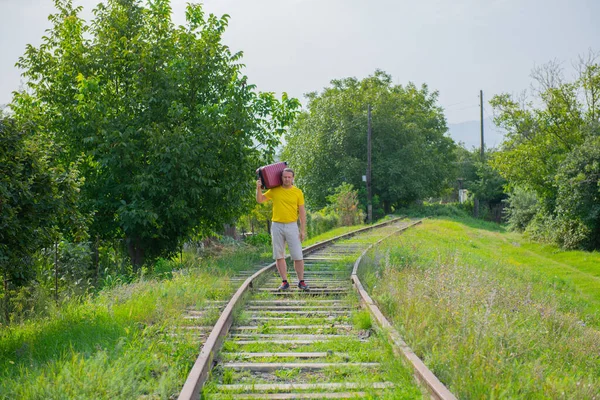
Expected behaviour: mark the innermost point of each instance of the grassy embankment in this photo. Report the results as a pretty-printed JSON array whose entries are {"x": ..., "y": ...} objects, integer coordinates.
[
  {"x": 492, "y": 314},
  {"x": 118, "y": 344}
]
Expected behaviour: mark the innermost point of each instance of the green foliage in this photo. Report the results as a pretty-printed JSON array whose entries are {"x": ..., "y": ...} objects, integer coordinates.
[
  {"x": 122, "y": 338},
  {"x": 376, "y": 206},
  {"x": 161, "y": 117},
  {"x": 362, "y": 320},
  {"x": 319, "y": 222},
  {"x": 342, "y": 210},
  {"x": 541, "y": 226},
  {"x": 38, "y": 203},
  {"x": 164, "y": 267},
  {"x": 435, "y": 210},
  {"x": 578, "y": 199},
  {"x": 477, "y": 176},
  {"x": 522, "y": 206},
  {"x": 549, "y": 142},
  {"x": 344, "y": 203},
  {"x": 466, "y": 161},
  {"x": 258, "y": 219},
  {"x": 411, "y": 156},
  {"x": 73, "y": 265},
  {"x": 259, "y": 239},
  {"x": 228, "y": 376},
  {"x": 488, "y": 185},
  {"x": 517, "y": 307}
]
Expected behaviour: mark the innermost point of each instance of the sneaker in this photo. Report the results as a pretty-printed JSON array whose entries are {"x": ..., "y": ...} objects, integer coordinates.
[
  {"x": 303, "y": 286},
  {"x": 284, "y": 286}
]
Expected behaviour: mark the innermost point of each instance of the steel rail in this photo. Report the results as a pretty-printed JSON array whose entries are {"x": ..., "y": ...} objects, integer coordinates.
[{"x": 204, "y": 363}]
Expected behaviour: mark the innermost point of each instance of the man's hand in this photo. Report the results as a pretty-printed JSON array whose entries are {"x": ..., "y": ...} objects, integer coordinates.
[
  {"x": 302, "y": 215},
  {"x": 260, "y": 197}
]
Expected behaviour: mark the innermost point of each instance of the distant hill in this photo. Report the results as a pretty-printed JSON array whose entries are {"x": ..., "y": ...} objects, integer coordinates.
[{"x": 468, "y": 132}]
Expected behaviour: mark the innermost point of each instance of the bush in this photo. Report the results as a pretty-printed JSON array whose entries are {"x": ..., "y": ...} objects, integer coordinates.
[
  {"x": 540, "y": 227},
  {"x": 578, "y": 200},
  {"x": 259, "y": 239},
  {"x": 522, "y": 205},
  {"x": 437, "y": 210},
  {"x": 164, "y": 267},
  {"x": 344, "y": 204},
  {"x": 320, "y": 222},
  {"x": 572, "y": 233}
]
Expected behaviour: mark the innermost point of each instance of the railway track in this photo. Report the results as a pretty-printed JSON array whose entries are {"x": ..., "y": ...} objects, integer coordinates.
[{"x": 322, "y": 344}]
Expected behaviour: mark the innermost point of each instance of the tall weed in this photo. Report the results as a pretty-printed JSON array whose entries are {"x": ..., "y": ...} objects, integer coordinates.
[
  {"x": 486, "y": 329},
  {"x": 118, "y": 343}
]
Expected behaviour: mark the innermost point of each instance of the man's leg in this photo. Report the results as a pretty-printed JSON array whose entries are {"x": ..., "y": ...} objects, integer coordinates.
[
  {"x": 295, "y": 245},
  {"x": 299, "y": 267},
  {"x": 278, "y": 239},
  {"x": 282, "y": 268}
]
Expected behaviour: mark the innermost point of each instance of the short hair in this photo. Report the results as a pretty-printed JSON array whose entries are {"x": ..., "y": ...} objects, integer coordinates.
[{"x": 288, "y": 170}]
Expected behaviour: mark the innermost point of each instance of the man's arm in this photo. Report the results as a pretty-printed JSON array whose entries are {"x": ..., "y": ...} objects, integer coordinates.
[
  {"x": 302, "y": 213},
  {"x": 260, "y": 197}
]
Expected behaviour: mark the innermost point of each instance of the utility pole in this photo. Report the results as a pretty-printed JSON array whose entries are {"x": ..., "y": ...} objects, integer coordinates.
[
  {"x": 369, "y": 204},
  {"x": 481, "y": 151},
  {"x": 481, "y": 117}
]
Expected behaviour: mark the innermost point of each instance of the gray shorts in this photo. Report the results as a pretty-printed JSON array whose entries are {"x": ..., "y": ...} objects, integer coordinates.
[{"x": 286, "y": 233}]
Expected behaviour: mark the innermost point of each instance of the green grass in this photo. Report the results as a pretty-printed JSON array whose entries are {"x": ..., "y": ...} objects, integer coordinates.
[
  {"x": 493, "y": 315},
  {"x": 117, "y": 344},
  {"x": 352, "y": 348},
  {"x": 338, "y": 231},
  {"x": 574, "y": 273},
  {"x": 362, "y": 320},
  {"x": 331, "y": 234},
  {"x": 374, "y": 349}
]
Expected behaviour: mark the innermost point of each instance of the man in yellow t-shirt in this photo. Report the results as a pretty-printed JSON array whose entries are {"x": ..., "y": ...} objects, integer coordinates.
[{"x": 288, "y": 207}]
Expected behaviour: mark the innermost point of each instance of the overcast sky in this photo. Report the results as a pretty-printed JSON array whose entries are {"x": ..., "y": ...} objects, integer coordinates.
[{"x": 456, "y": 47}]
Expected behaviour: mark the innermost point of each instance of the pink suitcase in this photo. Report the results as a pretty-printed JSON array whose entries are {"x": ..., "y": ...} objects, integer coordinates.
[{"x": 270, "y": 175}]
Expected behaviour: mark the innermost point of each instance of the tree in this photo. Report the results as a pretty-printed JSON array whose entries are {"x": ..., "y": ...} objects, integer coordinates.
[
  {"x": 38, "y": 203},
  {"x": 522, "y": 206},
  {"x": 539, "y": 137},
  {"x": 488, "y": 185},
  {"x": 480, "y": 179},
  {"x": 411, "y": 155},
  {"x": 166, "y": 127},
  {"x": 549, "y": 141},
  {"x": 578, "y": 199},
  {"x": 259, "y": 218}
]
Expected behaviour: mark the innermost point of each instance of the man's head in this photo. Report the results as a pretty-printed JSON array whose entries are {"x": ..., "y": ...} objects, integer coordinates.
[{"x": 287, "y": 177}]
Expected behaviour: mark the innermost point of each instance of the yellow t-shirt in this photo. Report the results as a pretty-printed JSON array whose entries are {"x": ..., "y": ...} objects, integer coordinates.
[{"x": 285, "y": 203}]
